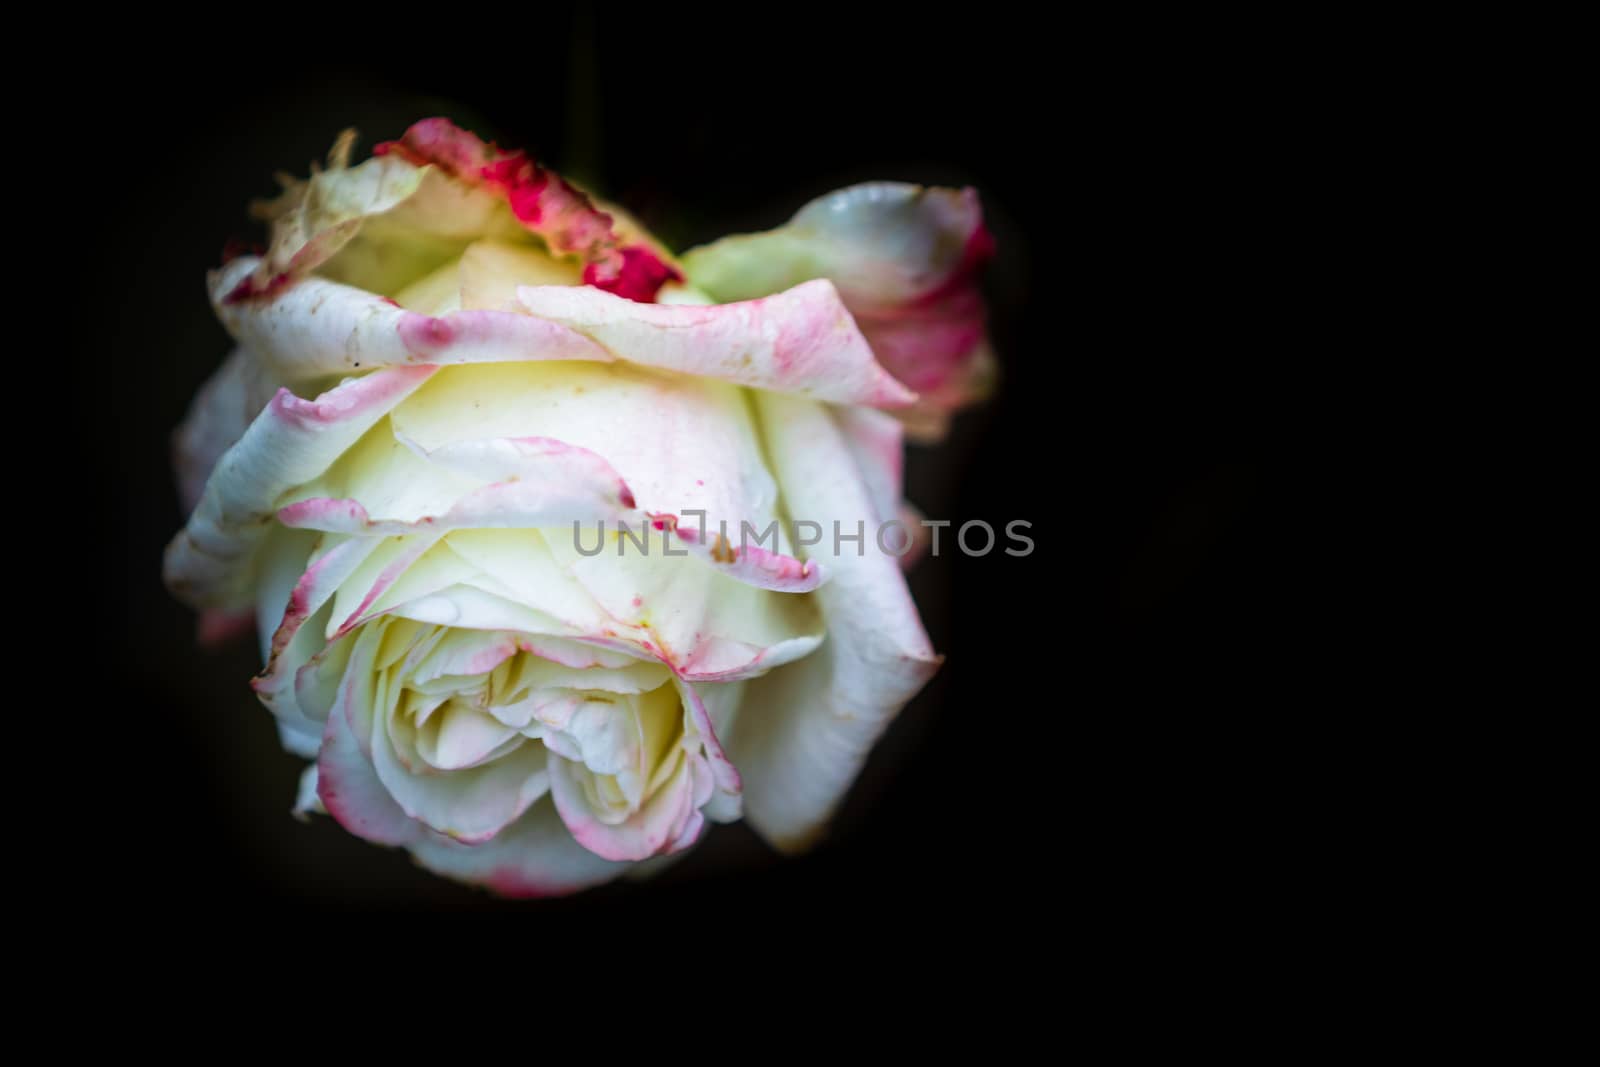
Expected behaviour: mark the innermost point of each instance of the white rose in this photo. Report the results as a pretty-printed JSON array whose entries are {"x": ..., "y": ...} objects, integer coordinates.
[{"x": 449, "y": 374}]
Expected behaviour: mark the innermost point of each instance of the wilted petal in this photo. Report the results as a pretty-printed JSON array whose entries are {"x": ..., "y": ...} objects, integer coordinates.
[
  {"x": 313, "y": 219},
  {"x": 565, "y": 218}
]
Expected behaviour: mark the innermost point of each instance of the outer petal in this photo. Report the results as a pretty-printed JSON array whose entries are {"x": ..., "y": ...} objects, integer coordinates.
[
  {"x": 210, "y": 562},
  {"x": 294, "y": 585},
  {"x": 219, "y": 415},
  {"x": 316, "y": 218},
  {"x": 876, "y": 441},
  {"x": 388, "y": 221},
  {"x": 543, "y": 483},
  {"x": 809, "y": 725},
  {"x": 562, "y": 215},
  {"x": 316, "y": 328},
  {"x": 535, "y": 856},
  {"x": 347, "y": 783},
  {"x": 876, "y": 444},
  {"x": 801, "y": 341},
  {"x": 905, "y": 260}
]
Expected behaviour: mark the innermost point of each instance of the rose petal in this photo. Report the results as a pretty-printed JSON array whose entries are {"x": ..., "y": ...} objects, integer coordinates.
[
  {"x": 316, "y": 328},
  {"x": 653, "y": 829},
  {"x": 821, "y": 715},
  {"x": 801, "y": 341},
  {"x": 565, "y": 218},
  {"x": 535, "y": 856},
  {"x": 210, "y": 563},
  {"x": 470, "y": 804},
  {"x": 877, "y": 445},
  {"x": 905, "y": 260},
  {"x": 218, "y": 416},
  {"x": 313, "y": 219},
  {"x": 541, "y": 482},
  {"x": 347, "y": 783}
]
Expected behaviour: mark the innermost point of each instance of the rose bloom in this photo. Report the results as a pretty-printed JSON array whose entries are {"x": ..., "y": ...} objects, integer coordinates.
[{"x": 452, "y": 368}]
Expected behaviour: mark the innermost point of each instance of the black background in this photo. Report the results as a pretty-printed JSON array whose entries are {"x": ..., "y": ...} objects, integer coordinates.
[{"x": 1095, "y": 738}]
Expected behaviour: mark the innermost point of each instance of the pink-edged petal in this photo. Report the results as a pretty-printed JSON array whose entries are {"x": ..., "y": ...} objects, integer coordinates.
[
  {"x": 379, "y": 573},
  {"x": 708, "y": 716},
  {"x": 293, "y": 643},
  {"x": 532, "y": 482},
  {"x": 747, "y": 563},
  {"x": 543, "y": 202},
  {"x": 317, "y": 328},
  {"x": 819, "y": 716},
  {"x": 681, "y": 444},
  {"x": 470, "y": 804},
  {"x": 352, "y": 793},
  {"x": 305, "y": 658},
  {"x": 535, "y": 856},
  {"x": 671, "y": 820},
  {"x": 653, "y": 829},
  {"x": 802, "y": 340},
  {"x": 316, "y": 586},
  {"x": 703, "y": 623},
  {"x": 906, "y": 261},
  {"x": 684, "y": 443},
  {"x": 347, "y": 783},
  {"x": 209, "y": 563}
]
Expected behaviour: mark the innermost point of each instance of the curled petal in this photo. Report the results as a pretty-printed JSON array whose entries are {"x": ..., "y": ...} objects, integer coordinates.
[
  {"x": 318, "y": 328},
  {"x": 802, "y": 340},
  {"x": 347, "y": 783},
  {"x": 724, "y": 775},
  {"x": 543, "y": 202},
  {"x": 906, "y": 261},
  {"x": 314, "y": 219},
  {"x": 210, "y": 562},
  {"x": 687, "y": 443},
  {"x": 541, "y": 483},
  {"x": 471, "y": 804},
  {"x": 671, "y": 820},
  {"x": 295, "y": 640},
  {"x": 655, "y": 828}
]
